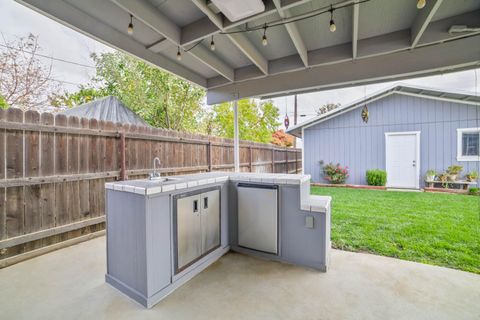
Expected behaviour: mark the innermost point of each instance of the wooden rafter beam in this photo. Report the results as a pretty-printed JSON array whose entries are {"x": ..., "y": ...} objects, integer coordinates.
[
  {"x": 423, "y": 18},
  {"x": 355, "y": 16},
  {"x": 426, "y": 60},
  {"x": 70, "y": 16},
  {"x": 238, "y": 39},
  {"x": 203, "y": 28},
  {"x": 151, "y": 16},
  {"x": 293, "y": 32}
]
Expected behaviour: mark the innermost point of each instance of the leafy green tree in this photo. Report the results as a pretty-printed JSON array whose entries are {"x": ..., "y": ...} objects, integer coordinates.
[
  {"x": 3, "y": 102},
  {"x": 160, "y": 98},
  {"x": 256, "y": 121}
]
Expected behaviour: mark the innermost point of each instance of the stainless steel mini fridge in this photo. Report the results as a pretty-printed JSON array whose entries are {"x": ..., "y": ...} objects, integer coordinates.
[{"x": 258, "y": 217}]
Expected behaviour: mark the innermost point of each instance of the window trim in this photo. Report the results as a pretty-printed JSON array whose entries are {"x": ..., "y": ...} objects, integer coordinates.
[{"x": 461, "y": 131}]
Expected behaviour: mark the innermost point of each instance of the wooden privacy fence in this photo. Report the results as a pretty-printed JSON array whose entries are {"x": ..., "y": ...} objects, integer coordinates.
[{"x": 53, "y": 169}]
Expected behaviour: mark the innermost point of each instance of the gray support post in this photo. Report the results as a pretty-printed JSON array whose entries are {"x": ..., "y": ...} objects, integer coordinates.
[{"x": 236, "y": 139}]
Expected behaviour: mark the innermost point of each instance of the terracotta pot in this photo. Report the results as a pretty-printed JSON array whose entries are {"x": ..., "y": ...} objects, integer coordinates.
[{"x": 452, "y": 177}]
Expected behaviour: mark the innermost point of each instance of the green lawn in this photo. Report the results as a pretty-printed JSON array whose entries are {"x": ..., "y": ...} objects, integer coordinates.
[{"x": 433, "y": 228}]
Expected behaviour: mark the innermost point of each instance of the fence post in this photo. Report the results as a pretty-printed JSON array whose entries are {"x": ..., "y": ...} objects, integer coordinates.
[
  {"x": 273, "y": 159},
  {"x": 123, "y": 165},
  {"x": 296, "y": 161},
  {"x": 209, "y": 155},
  {"x": 250, "y": 157}
]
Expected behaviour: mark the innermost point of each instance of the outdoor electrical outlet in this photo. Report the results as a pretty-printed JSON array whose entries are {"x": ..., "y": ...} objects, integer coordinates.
[{"x": 309, "y": 222}]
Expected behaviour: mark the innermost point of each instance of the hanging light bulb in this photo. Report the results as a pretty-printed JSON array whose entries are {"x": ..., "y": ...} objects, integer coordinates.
[
  {"x": 179, "y": 54},
  {"x": 421, "y": 4},
  {"x": 264, "y": 38},
  {"x": 130, "y": 25},
  {"x": 212, "y": 45},
  {"x": 333, "y": 27}
]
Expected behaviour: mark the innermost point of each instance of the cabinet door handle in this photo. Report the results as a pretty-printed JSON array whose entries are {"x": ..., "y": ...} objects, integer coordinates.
[
  {"x": 195, "y": 205},
  {"x": 205, "y": 203}
]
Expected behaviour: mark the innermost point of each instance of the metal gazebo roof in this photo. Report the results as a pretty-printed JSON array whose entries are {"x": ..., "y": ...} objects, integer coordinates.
[{"x": 108, "y": 109}]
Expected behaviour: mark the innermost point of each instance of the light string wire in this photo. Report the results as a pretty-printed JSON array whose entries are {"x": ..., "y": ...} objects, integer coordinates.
[{"x": 282, "y": 22}]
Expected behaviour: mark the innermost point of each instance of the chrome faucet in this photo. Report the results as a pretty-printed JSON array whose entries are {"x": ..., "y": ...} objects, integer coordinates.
[{"x": 155, "y": 174}]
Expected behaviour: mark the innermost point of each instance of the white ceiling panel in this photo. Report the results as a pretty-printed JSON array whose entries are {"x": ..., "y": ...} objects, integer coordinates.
[{"x": 182, "y": 12}]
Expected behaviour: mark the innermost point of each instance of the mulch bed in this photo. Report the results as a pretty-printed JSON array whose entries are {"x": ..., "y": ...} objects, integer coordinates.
[{"x": 352, "y": 186}]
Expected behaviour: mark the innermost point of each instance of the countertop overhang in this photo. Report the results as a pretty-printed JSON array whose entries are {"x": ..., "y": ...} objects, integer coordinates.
[{"x": 148, "y": 187}]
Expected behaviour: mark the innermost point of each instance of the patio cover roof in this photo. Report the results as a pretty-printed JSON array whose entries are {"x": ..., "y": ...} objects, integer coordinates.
[{"x": 375, "y": 40}]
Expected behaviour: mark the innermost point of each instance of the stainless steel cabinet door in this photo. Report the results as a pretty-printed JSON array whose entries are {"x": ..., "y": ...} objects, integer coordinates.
[
  {"x": 258, "y": 219},
  {"x": 210, "y": 220},
  {"x": 188, "y": 230}
]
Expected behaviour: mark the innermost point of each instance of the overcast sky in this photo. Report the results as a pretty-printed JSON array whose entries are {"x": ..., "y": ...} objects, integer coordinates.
[{"x": 62, "y": 42}]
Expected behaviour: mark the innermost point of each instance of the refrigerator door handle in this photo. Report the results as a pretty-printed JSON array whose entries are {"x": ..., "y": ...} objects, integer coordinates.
[{"x": 205, "y": 203}]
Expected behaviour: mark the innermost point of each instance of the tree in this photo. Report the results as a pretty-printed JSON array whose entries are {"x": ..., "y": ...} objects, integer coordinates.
[
  {"x": 25, "y": 82},
  {"x": 280, "y": 138},
  {"x": 3, "y": 103},
  {"x": 327, "y": 107},
  {"x": 160, "y": 98},
  {"x": 256, "y": 121}
]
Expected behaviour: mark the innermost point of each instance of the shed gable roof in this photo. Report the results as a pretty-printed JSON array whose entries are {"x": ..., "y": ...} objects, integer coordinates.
[{"x": 417, "y": 91}]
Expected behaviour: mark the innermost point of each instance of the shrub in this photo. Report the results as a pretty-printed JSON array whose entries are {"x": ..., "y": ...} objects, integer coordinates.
[
  {"x": 376, "y": 177},
  {"x": 335, "y": 173},
  {"x": 473, "y": 191}
]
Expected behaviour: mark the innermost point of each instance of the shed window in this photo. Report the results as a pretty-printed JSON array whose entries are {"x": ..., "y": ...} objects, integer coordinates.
[{"x": 468, "y": 148}]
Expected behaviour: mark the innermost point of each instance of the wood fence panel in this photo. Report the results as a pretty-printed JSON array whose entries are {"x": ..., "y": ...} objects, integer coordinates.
[
  {"x": 33, "y": 215},
  {"x": 14, "y": 161},
  {"x": 47, "y": 167},
  {"x": 53, "y": 169},
  {"x": 3, "y": 217},
  {"x": 73, "y": 187},
  {"x": 61, "y": 168},
  {"x": 84, "y": 185}
]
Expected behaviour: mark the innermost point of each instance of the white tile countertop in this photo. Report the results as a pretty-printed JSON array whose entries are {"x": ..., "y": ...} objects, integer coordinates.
[{"x": 150, "y": 187}]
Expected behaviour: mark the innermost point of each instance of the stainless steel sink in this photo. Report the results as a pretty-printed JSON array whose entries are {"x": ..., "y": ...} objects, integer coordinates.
[{"x": 163, "y": 179}]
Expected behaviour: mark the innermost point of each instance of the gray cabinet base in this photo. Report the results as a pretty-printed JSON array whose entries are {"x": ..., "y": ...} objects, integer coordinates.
[{"x": 179, "y": 280}]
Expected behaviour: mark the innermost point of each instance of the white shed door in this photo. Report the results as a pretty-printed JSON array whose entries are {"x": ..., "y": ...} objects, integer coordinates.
[{"x": 403, "y": 159}]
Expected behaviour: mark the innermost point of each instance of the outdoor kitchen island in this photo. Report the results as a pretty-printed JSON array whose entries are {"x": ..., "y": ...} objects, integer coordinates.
[{"x": 164, "y": 231}]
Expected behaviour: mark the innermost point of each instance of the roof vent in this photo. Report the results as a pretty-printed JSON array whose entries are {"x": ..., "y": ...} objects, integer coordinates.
[{"x": 235, "y": 10}]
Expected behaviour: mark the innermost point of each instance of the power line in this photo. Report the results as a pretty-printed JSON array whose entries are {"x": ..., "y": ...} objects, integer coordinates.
[{"x": 49, "y": 57}]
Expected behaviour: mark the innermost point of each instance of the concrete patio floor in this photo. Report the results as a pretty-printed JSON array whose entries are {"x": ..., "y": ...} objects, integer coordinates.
[{"x": 69, "y": 284}]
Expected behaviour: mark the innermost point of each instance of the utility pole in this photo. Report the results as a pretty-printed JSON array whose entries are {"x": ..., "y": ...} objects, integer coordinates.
[{"x": 295, "y": 119}]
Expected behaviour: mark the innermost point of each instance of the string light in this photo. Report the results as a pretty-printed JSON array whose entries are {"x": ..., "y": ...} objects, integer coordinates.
[
  {"x": 281, "y": 22},
  {"x": 212, "y": 45},
  {"x": 264, "y": 38},
  {"x": 130, "y": 26},
  {"x": 179, "y": 54},
  {"x": 421, "y": 4},
  {"x": 333, "y": 27}
]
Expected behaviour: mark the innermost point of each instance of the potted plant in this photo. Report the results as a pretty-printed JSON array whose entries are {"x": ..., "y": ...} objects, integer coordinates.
[
  {"x": 443, "y": 177},
  {"x": 430, "y": 175},
  {"x": 472, "y": 176},
  {"x": 453, "y": 171}
]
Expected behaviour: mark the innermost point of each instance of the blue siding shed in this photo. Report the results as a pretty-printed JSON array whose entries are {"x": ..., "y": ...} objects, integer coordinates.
[{"x": 342, "y": 136}]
